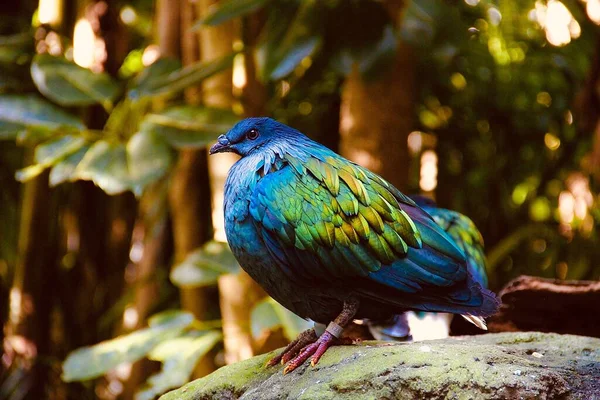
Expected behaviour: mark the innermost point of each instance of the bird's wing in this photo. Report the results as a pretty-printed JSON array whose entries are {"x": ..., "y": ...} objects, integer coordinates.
[
  {"x": 324, "y": 218},
  {"x": 466, "y": 235}
]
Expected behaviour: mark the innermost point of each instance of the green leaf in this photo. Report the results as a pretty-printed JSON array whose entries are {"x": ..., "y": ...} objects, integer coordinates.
[
  {"x": 227, "y": 10},
  {"x": 18, "y": 112},
  {"x": 181, "y": 79},
  {"x": 31, "y": 137},
  {"x": 171, "y": 318},
  {"x": 28, "y": 173},
  {"x": 203, "y": 266},
  {"x": 64, "y": 170},
  {"x": 189, "y": 126},
  {"x": 54, "y": 150},
  {"x": 125, "y": 117},
  {"x": 16, "y": 48},
  {"x": 280, "y": 17},
  {"x": 68, "y": 84},
  {"x": 105, "y": 163},
  {"x": 94, "y": 361},
  {"x": 269, "y": 315},
  {"x": 264, "y": 318},
  {"x": 9, "y": 130},
  {"x": 149, "y": 157},
  {"x": 153, "y": 76},
  {"x": 179, "y": 357},
  {"x": 49, "y": 153},
  {"x": 293, "y": 54},
  {"x": 302, "y": 39}
]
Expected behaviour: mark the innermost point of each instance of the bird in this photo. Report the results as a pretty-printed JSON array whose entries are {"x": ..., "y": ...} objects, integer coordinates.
[
  {"x": 332, "y": 241},
  {"x": 467, "y": 237}
]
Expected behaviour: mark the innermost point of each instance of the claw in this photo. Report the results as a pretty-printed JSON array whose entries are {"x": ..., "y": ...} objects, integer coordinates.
[
  {"x": 273, "y": 361},
  {"x": 307, "y": 344},
  {"x": 305, "y": 338},
  {"x": 316, "y": 350}
]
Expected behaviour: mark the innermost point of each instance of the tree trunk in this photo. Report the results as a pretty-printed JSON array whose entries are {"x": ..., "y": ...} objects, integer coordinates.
[
  {"x": 189, "y": 195},
  {"x": 254, "y": 94},
  {"x": 152, "y": 229},
  {"x": 167, "y": 27},
  {"x": 377, "y": 116},
  {"x": 238, "y": 293},
  {"x": 32, "y": 292}
]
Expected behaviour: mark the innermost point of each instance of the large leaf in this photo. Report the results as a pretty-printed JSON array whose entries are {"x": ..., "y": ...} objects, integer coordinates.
[
  {"x": 50, "y": 153},
  {"x": 64, "y": 170},
  {"x": 94, "y": 361},
  {"x": 181, "y": 79},
  {"x": 149, "y": 157},
  {"x": 18, "y": 112},
  {"x": 203, "y": 266},
  {"x": 71, "y": 85},
  {"x": 179, "y": 357},
  {"x": 105, "y": 163},
  {"x": 227, "y": 10},
  {"x": 280, "y": 17},
  {"x": 153, "y": 76},
  {"x": 189, "y": 126},
  {"x": 302, "y": 39},
  {"x": 269, "y": 314}
]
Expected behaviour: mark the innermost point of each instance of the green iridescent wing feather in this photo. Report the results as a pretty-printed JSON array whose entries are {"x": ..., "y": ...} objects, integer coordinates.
[
  {"x": 337, "y": 219},
  {"x": 466, "y": 235}
]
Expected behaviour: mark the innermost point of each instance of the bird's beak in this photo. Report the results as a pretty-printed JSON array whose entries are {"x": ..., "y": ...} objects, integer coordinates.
[{"x": 221, "y": 146}]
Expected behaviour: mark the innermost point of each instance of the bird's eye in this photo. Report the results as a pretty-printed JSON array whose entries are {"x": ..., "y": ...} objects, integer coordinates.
[{"x": 252, "y": 134}]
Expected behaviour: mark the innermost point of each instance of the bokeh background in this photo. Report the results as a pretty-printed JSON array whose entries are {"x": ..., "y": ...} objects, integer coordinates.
[{"x": 111, "y": 212}]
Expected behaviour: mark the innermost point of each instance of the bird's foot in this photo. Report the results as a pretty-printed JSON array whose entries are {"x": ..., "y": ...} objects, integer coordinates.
[
  {"x": 305, "y": 338},
  {"x": 316, "y": 350}
]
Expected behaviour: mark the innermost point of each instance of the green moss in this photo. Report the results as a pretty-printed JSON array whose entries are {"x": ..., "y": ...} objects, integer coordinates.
[{"x": 484, "y": 367}]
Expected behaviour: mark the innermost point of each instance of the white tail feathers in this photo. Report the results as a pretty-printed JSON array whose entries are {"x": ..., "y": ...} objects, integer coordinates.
[{"x": 477, "y": 321}]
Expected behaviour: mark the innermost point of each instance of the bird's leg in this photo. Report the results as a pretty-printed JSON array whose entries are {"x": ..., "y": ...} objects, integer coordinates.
[
  {"x": 303, "y": 339},
  {"x": 328, "y": 338}
]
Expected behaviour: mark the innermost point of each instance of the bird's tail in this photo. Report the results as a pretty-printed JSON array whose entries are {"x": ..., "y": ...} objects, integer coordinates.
[{"x": 475, "y": 320}]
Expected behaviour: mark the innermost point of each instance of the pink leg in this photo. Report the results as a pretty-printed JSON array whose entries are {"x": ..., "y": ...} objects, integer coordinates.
[
  {"x": 305, "y": 338},
  {"x": 327, "y": 339}
]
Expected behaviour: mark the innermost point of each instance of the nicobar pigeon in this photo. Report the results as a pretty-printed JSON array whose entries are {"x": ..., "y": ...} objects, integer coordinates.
[
  {"x": 332, "y": 241},
  {"x": 468, "y": 238}
]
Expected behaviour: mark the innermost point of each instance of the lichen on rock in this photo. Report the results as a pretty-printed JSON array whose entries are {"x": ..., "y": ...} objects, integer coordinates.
[{"x": 493, "y": 366}]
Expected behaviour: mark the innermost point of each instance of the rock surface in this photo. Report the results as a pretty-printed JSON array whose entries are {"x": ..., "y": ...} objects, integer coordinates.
[{"x": 528, "y": 365}]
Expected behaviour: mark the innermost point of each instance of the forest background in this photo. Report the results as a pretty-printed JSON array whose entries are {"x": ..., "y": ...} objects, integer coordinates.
[{"x": 111, "y": 219}]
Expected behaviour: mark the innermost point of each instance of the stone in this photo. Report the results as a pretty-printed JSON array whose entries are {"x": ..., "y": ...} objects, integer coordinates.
[{"x": 490, "y": 366}]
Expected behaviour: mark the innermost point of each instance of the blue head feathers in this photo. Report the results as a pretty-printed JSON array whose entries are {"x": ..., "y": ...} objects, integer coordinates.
[{"x": 253, "y": 133}]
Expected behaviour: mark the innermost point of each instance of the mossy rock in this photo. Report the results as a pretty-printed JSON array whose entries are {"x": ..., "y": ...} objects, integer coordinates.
[{"x": 493, "y": 366}]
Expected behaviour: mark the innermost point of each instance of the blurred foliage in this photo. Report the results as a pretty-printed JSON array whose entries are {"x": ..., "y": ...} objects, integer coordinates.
[
  {"x": 203, "y": 266},
  {"x": 268, "y": 315},
  {"x": 502, "y": 103},
  {"x": 135, "y": 147},
  {"x": 94, "y": 361},
  {"x": 503, "y": 98},
  {"x": 173, "y": 338}
]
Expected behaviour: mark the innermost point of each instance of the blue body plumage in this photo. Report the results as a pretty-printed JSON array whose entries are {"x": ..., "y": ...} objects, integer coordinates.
[
  {"x": 317, "y": 231},
  {"x": 467, "y": 237}
]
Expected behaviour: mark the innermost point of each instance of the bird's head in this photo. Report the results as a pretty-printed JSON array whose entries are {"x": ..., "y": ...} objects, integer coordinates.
[{"x": 251, "y": 134}]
